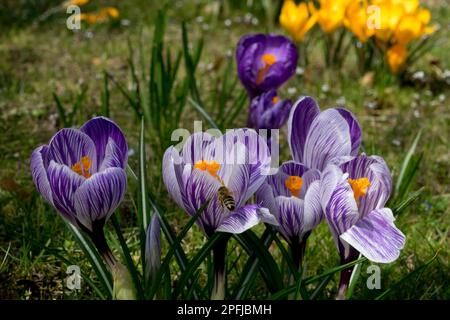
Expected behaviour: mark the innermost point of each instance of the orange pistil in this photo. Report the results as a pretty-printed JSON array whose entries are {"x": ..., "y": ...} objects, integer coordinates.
[
  {"x": 294, "y": 184},
  {"x": 359, "y": 187},
  {"x": 83, "y": 166},
  {"x": 275, "y": 100},
  {"x": 268, "y": 60},
  {"x": 211, "y": 166}
]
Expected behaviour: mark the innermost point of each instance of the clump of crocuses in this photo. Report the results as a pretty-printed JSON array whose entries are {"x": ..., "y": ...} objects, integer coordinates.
[
  {"x": 264, "y": 63},
  {"x": 81, "y": 173}
]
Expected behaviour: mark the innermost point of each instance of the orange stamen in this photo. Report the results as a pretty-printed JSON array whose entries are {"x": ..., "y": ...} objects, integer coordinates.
[
  {"x": 294, "y": 184},
  {"x": 268, "y": 60},
  {"x": 83, "y": 166},
  {"x": 359, "y": 187}
]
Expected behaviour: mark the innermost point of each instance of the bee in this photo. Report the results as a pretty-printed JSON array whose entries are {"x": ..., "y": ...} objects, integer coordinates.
[{"x": 225, "y": 198}]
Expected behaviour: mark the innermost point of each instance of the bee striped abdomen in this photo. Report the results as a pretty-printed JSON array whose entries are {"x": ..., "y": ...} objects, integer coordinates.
[{"x": 226, "y": 199}]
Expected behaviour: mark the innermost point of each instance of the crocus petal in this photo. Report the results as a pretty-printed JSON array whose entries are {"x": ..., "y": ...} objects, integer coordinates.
[
  {"x": 376, "y": 237},
  {"x": 245, "y": 218},
  {"x": 39, "y": 173},
  {"x": 68, "y": 146},
  {"x": 195, "y": 148},
  {"x": 341, "y": 211},
  {"x": 172, "y": 174},
  {"x": 330, "y": 178},
  {"x": 100, "y": 130},
  {"x": 304, "y": 111},
  {"x": 265, "y": 198},
  {"x": 99, "y": 196},
  {"x": 245, "y": 147},
  {"x": 153, "y": 247},
  {"x": 313, "y": 213},
  {"x": 64, "y": 182},
  {"x": 200, "y": 188},
  {"x": 355, "y": 129},
  {"x": 328, "y": 137},
  {"x": 291, "y": 215},
  {"x": 113, "y": 156},
  {"x": 308, "y": 178}
]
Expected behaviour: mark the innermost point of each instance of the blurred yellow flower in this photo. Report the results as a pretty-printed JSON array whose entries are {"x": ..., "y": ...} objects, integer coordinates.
[
  {"x": 396, "y": 57},
  {"x": 103, "y": 15},
  {"x": 390, "y": 15},
  {"x": 297, "y": 20},
  {"x": 356, "y": 20},
  {"x": 78, "y": 3},
  {"x": 331, "y": 14},
  {"x": 413, "y": 26}
]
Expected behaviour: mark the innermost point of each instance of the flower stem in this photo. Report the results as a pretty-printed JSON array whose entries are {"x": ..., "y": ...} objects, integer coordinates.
[
  {"x": 346, "y": 274},
  {"x": 219, "y": 251}
]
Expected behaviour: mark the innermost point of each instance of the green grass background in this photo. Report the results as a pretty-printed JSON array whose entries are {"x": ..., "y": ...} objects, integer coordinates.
[{"x": 39, "y": 57}]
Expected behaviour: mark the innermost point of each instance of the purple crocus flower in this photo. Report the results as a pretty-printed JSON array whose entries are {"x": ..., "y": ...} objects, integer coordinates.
[
  {"x": 226, "y": 171},
  {"x": 265, "y": 62},
  {"x": 237, "y": 160},
  {"x": 316, "y": 138},
  {"x": 81, "y": 172},
  {"x": 292, "y": 196},
  {"x": 354, "y": 192},
  {"x": 268, "y": 111}
]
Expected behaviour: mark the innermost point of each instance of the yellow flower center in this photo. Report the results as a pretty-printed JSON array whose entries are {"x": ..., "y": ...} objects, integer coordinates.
[
  {"x": 211, "y": 166},
  {"x": 359, "y": 187},
  {"x": 268, "y": 60},
  {"x": 275, "y": 100},
  {"x": 83, "y": 166},
  {"x": 294, "y": 184}
]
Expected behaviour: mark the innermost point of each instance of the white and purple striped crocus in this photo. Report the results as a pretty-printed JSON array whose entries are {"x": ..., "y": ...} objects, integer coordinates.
[
  {"x": 238, "y": 160},
  {"x": 265, "y": 62},
  {"x": 81, "y": 172},
  {"x": 316, "y": 138},
  {"x": 292, "y": 196},
  {"x": 354, "y": 192}
]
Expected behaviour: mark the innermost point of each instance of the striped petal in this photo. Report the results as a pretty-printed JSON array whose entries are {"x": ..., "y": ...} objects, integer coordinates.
[
  {"x": 98, "y": 197},
  {"x": 313, "y": 213},
  {"x": 68, "y": 146},
  {"x": 172, "y": 175},
  {"x": 100, "y": 130},
  {"x": 291, "y": 217},
  {"x": 245, "y": 218},
  {"x": 304, "y": 111},
  {"x": 376, "y": 237},
  {"x": 341, "y": 213},
  {"x": 328, "y": 138},
  {"x": 39, "y": 173},
  {"x": 64, "y": 182},
  {"x": 196, "y": 148},
  {"x": 355, "y": 129},
  {"x": 153, "y": 248},
  {"x": 200, "y": 188},
  {"x": 113, "y": 156}
]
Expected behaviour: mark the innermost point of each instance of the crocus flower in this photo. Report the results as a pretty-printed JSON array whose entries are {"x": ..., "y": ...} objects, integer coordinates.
[
  {"x": 268, "y": 111},
  {"x": 356, "y": 20},
  {"x": 354, "y": 192},
  {"x": 265, "y": 62},
  {"x": 298, "y": 19},
  {"x": 81, "y": 172},
  {"x": 292, "y": 196},
  {"x": 226, "y": 171},
  {"x": 331, "y": 14},
  {"x": 238, "y": 160},
  {"x": 316, "y": 137},
  {"x": 396, "y": 57},
  {"x": 413, "y": 26}
]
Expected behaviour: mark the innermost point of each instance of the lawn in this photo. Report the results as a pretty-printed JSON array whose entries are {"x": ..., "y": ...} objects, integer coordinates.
[{"x": 99, "y": 70}]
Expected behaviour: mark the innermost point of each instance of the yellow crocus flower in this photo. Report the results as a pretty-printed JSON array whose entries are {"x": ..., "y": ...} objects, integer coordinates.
[
  {"x": 413, "y": 26},
  {"x": 396, "y": 57},
  {"x": 297, "y": 20},
  {"x": 356, "y": 20},
  {"x": 390, "y": 14},
  {"x": 331, "y": 14}
]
